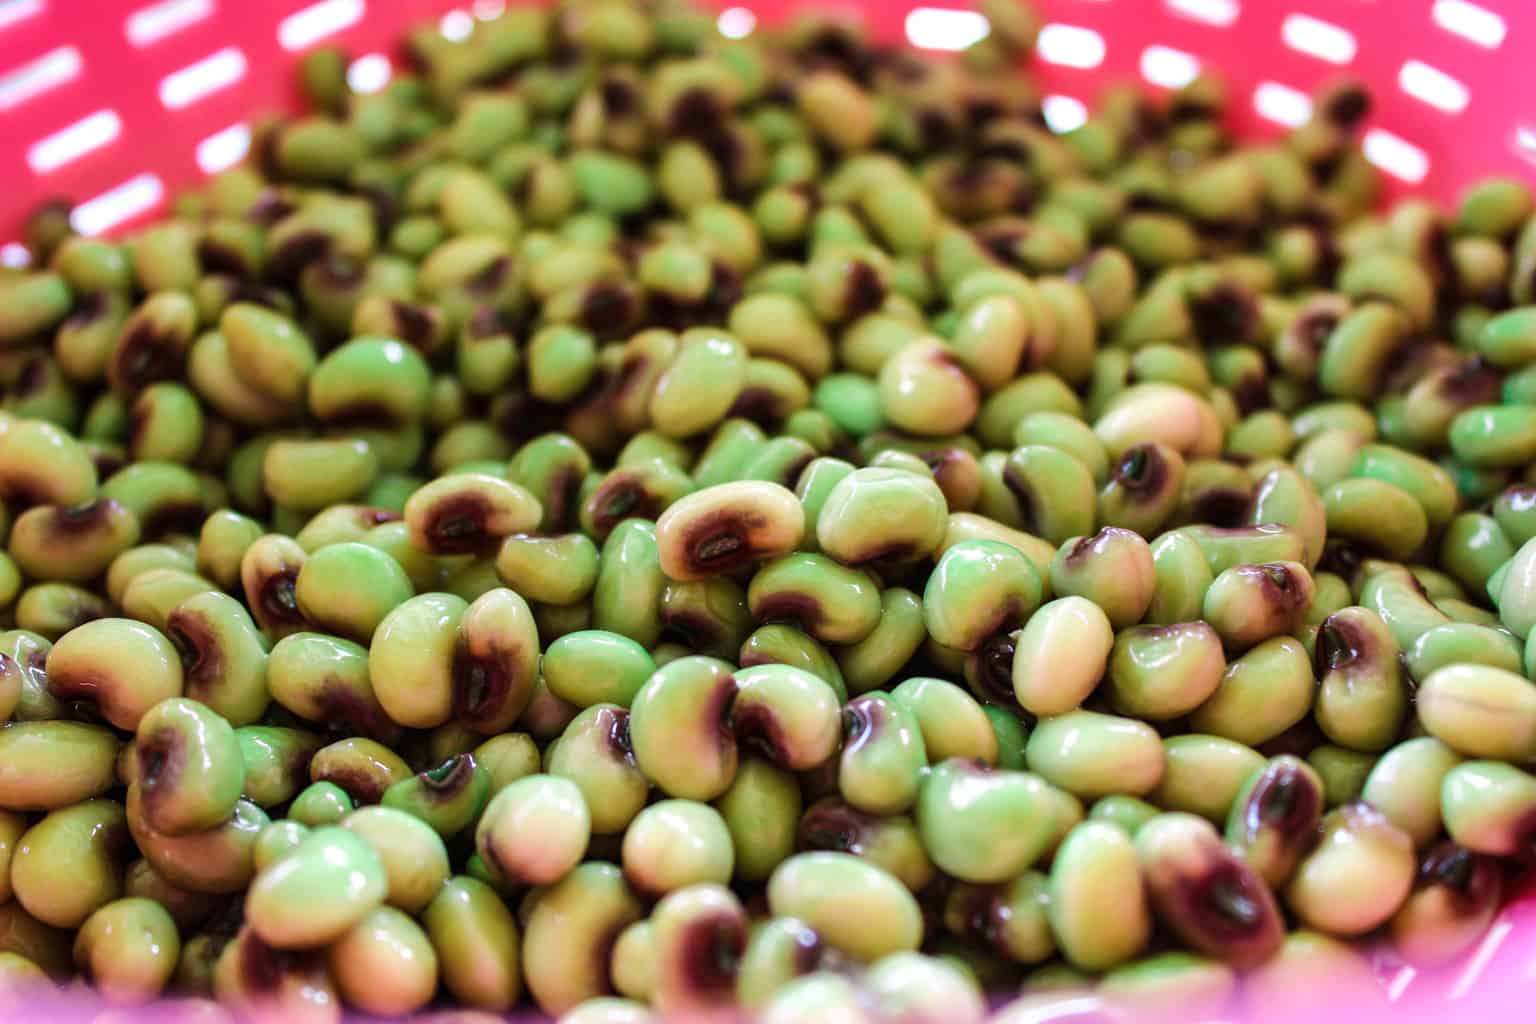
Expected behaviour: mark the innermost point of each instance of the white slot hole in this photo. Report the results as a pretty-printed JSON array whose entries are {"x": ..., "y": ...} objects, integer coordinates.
[
  {"x": 214, "y": 72},
  {"x": 70, "y": 144},
  {"x": 148, "y": 25},
  {"x": 314, "y": 23},
  {"x": 369, "y": 73},
  {"x": 456, "y": 25},
  {"x": 116, "y": 205},
  {"x": 1395, "y": 155},
  {"x": 1477, "y": 963},
  {"x": 1471, "y": 22},
  {"x": 1063, "y": 113},
  {"x": 1525, "y": 141},
  {"x": 14, "y": 255},
  {"x": 1319, "y": 38},
  {"x": 736, "y": 22},
  {"x": 1071, "y": 46},
  {"x": 1220, "y": 13},
  {"x": 1170, "y": 68},
  {"x": 1282, "y": 104},
  {"x": 940, "y": 28},
  {"x": 485, "y": 10},
  {"x": 14, "y": 11},
  {"x": 1433, "y": 86},
  {"x": 223, "y": 149},
  {"x": 49, "y": 71}
]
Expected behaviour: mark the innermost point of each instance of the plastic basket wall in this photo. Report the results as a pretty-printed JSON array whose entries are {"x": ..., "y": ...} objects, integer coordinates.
[{"x": 116, "y": 104}]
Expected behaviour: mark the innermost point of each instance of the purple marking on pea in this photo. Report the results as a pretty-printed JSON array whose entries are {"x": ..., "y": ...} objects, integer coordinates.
[
  {"x": 77, "y": 520},
  {"x": 864, "y": 291},
  {"x": 445, "y": 782},
  {"x": 709, "y": 953},
  {"x": 146, "y": 354},
  {"x": 622, "y": 496},
  {"x": 608, "y": 308},
  {"x": 295, "y": 253},
  {"x": 270, "y": 207},
  {"x": 1227, "y": 314},
  {"x": 612, "y": 724},
  {"x": 458, "y": 524},
  {"x": 161, "y": 758},
  {"x": 758, "y": 729},
  {"x": 89, "y": 308},
  {"x": 414, "y": 325},
  {"x": 1344, "y": 645},
  {"x": 482, "y": 684},
  {"x": 992, "y": 669},
  {"x": 276, "y": 598},
  {"x": 338, "y": 271},
  {"x": 1471, "y": 880},
  {"x": 760, "y": 405},
  {"x": 833, "y": 825},
  {"x": 486, "y": 322},
  {"x": 1142, "y": 471},
  {"x": 697, "y": 113},
  {"x": 172, "y": 517},
  {"x": 202, "y": 657},
  {"x": 719, "y": 542},
  {"x": 801, "y": 610},
  {"x": 1285, "y": 800},
  {"x": 342, "y": 705},
  {"x": 364, "y": 785},
  {"x": 620, "y": 98},
  {"x": 489, "y": 279}
]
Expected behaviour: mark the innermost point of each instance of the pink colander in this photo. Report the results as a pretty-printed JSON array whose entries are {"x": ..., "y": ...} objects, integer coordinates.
[{"x": 117, "y": 104}]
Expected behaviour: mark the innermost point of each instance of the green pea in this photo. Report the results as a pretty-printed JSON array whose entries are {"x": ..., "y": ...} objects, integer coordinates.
[
  {"x": 1454, "y": 900},
  {"x": 180, "y": 740},
  {"x": 1097, "y": 909},
  {"x": 349, "y": 588},
  {"x": 1494, "y": 436},
  {"x": 675, "y": 844},
  {"x": 568, "y": 932},
  {"x": 1114, "y": 569},
  {"x": 1273, "y": 819},
  {"x": 126, "y": 667},
  {"x": 376, "y": 377},
  {"x": 223, "y": 655},
  {"x": 953, "y": 724},
  {"x": 476, "y": 939},
  {"x": 1515, "y": 513},
  {"x": 1480, "y": 711},
  {"x": 1204, "y": 775},
  {"x": 1165, "y": 671},
  {"x": 1343, "y": 772},
  {"x": 643, "y": 489},
  {"x": 315, "y": 473},
  {"x": 977, "y": 589},
  {"x": 128, "y": 949},
  {"x": 883, "y": 516},
  {"x": 883, "y": 755},
  {"x": 321, "y": 803},
  {"x": 535, "y": 829},
  {"x": 1261, "y": 694},
  {"x": 1010, "y": 918},
  {"x": 1358, "y": 875},
  {"x": 1091, "y": 754},
  {"x": 1361, "y": 698},
  {"x": 448, "y": 797},
  {"x": 1181, "y": 576},
  {"x": 1484, "y": 805},
  {"x": 334, "y": 875},
  {"x": 1249, "y": 604},
  {"x": 627, "y": 593},
  {"x": 1060, "y": 655},
  {"x": 362, "y": 768},
  {"x": 1052, "y": 491},
  {"x": 960, "y": 807},
  {"x": 1460, "y": 642},
  {"x": 858, "y": 908},
  {"x": 1284, "y": 496},
  {"x": 67, "y": 865},
  {"x": 276, "y": 761},
  {"x": 410, "y": 659},
  {"x": 414, "y": 859},
  {"x": 1068, "y": 434},
  {"x": 81, "y": 759}
]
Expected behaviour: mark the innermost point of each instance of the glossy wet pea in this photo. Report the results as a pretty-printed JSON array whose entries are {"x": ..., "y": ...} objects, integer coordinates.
[
  {"x": 349, "y": 588},
  {"x": 977, "y": 589},
  {"x": 128, "y": 949},
  {"x": 880, "y": 767},
  {"x": 959, "y": 810},
  {"x": 333, "y": 874},
  {"x": 1165, "y": 671},
  {"x": 82, "y": 759},
  {"x": 414, "y": 859},
  {"x": 881, "y": 516},
  {"x": 1095, "y": 880},
  {"x": 190, "y": 772},
  {"x": 1273, "y": 818},
  {"x": 68, "y": 865},
  {"x": 1362, "y": 697},
  {"x": 1479, "y": 711},
  {"x": 126, "y": 667},
  {"x": 579, "y": 914},
  {"x": 477, "y": 941},
  {"x": 832, "y": 891},
  {"x": 1204, "y": 774},
  {"x": 1358, "y": 875},
  {"x": 447, "y": 797},
  {"x": 1113, "y": 568}
]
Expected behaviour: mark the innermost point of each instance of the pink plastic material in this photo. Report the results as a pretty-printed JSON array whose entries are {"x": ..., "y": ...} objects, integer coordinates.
[{"x": 116, "y": 104}]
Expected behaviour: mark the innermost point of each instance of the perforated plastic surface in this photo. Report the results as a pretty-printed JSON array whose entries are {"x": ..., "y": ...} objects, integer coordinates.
[{"x": 115, "y": 104}]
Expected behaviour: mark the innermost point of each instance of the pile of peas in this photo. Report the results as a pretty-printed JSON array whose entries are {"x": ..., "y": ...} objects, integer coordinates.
[{"x": 645, "y": 524}]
